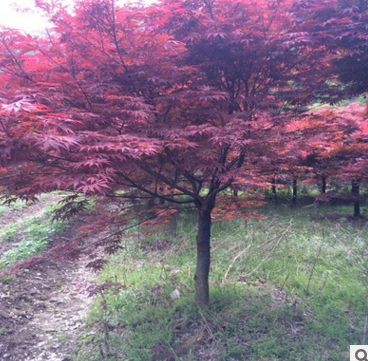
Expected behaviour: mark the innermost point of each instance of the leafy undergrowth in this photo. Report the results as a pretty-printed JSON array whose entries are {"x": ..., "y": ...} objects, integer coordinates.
[{"x": 291, "y": 287}]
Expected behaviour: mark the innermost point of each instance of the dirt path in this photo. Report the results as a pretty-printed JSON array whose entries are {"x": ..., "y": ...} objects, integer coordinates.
[
  {"x": 42, "y": 310},
  {"x": 15, "y": 215}
]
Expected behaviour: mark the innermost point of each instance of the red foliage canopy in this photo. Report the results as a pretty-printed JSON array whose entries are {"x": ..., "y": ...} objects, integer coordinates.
[{"x": 178, "y": 101}]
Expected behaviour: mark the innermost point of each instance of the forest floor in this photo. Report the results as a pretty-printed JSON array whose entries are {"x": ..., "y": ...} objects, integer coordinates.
[{"x": 42, "y": 309}]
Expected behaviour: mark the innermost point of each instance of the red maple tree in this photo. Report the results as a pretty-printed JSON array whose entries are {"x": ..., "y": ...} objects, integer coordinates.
[{"x": 178, "y": 101}]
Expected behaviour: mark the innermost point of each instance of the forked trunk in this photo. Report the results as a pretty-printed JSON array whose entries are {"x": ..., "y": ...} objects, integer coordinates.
[
  {"x": 356, "y": 194},
  {"x": 203, "y": 258}
]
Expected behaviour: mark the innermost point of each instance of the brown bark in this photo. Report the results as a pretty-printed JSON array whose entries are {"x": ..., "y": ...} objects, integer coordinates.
[{"x": 203, "y": 258}]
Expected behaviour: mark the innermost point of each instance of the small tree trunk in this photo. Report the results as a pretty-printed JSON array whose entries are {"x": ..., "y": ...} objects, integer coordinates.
[
  {"x": 171, "y": 227},
  {"x": 355, "y": 191},
  {"x": 273, "y": 182},
  {"x": 162, "y": 201},
  {"x": 150, "y": 203},
  {"x": 324, "y": 184},
  {"x": 295, "y": 191},
  {"x": 203, "y": 258}
]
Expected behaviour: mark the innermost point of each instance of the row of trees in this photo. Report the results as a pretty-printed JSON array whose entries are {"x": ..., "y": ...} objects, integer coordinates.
[
  {"x": 181, "y": 101},
  {"x": 332, "y": 145}
]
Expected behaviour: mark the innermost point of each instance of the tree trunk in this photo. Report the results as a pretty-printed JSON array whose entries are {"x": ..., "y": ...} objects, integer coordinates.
[
  {"x": 273, "y": 182},
  {"x": 355, "y": 191},
  {"x": 162, "y": 201},
  {"x": 324, "y": 184},
  {"x": 150, "y": 203},
  {"x": 203, "y": 258},
  {"x": 295, "y": 191},
  {"x": 171, "y": 227}
]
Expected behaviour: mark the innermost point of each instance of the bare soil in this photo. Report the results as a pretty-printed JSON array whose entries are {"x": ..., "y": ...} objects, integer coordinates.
[{"x": 42, "y": 309}]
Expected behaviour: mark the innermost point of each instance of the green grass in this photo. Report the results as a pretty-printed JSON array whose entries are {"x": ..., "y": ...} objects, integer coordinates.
[
  {"x": 291, "y": 287},
  {"x": 30, "y": 235},
  {"x": 13, "y": 206}
]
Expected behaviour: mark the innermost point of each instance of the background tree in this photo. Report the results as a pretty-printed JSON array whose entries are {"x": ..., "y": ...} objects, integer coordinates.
[
  {"x": 335, "y": 139},
  {"x": 339, "y": 28}
]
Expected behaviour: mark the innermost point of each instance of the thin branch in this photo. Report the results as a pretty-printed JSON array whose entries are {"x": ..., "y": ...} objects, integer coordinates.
[
  {"x": 153, "y": 194},
  {"x": 168, "y": 182}
]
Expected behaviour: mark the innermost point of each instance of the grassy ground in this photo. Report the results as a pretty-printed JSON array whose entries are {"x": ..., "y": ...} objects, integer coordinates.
[
  {"x": 28, "y": 234},
  {"x": 290, "y": 287}
]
